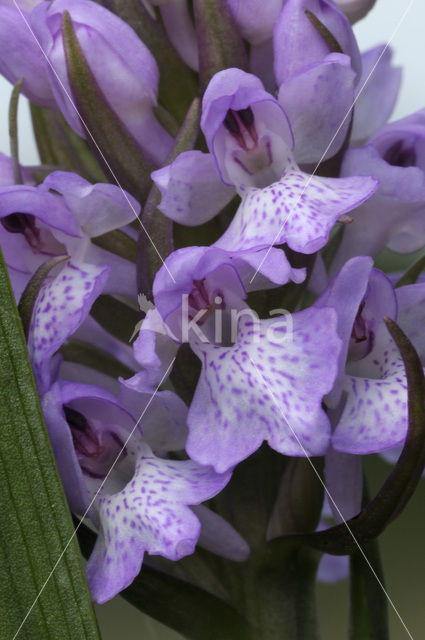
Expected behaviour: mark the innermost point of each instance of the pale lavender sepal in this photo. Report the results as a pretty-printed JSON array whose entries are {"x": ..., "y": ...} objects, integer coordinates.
[
  {"x": 154, "y": 351},
  {"x": 181, "y": 31},
  {"x": 344, "y": 481},
  {"x": 219, "y": 537},
  {"x": 47, "y": 207},
  {"x": 150, "y": 514},
  {"x": 333, "y": 568},
  {"x": 378, "y": 90},
  {"x": 61, "y": 440},
  {"x": 299, "y": 209},
  {"x": 411, "y": 315},
  {"x": 318, "y": 101},
  {"x": 61, "y": 306},
  {"x": 254, "y": 20},
  {"x": 297, "y": 43},
  {"x": 99, "y": 208},
  {"x": 269, "y": 385},
  {"x": 394, "y": 215},
  {"x": 21, "y": 56},
  {"x": 192, "y": 192},
  {"x": 163, "y": 423},
  {"x": 344, "y": 294}
]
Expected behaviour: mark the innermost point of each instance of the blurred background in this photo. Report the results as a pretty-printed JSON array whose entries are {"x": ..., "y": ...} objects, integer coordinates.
[{"x": 403, "y": 543}]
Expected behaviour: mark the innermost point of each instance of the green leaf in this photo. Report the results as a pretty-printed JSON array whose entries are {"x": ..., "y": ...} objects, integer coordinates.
[
  {"x": 401, "y": 483},
  {"x": 60, "y": 147},
  {"x": 220, "y": 45},
  {"x": 412, "y": 274},
  {"x": 182, "y": 606},
  {"x": 111, "y": 143},
  {"x": 30, "y": 293},
  {"x": 13, "y": 131},
  {"x": 40, "y": 569},
  {"x": 177, "y": 83}
]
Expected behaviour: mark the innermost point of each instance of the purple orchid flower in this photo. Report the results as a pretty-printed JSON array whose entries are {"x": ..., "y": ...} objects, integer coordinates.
[
  {"x": 107, "y": 43},
  {"x": 205, "y": 306},
  {"x": 107, "y": 475},
  {"x": 58, "y": 217},
  {"x": 140, "y": 502},
  {"x": 209, "y": 281},
  {"x": 373, "y": 381},
  {"x": 394, "y": 216},
  {"x": 268, "y": 385},
  {"x": 250, "y": 139}
]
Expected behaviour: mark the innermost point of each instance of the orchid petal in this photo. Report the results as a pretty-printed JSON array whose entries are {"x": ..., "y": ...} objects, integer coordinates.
[
  {"x": 99, "y": 208},
  {"x": 318, "y": 100},
  {"x": 219, "y": 537},
  {"x": 149, "y": 514},
  {"x": 192, "y": 192},
  {"x": 62, "y": 305},
  {"x": 379, "y": 87},
  {"x": 267, "y": 386},
  {"x": 299, "y": 209}
]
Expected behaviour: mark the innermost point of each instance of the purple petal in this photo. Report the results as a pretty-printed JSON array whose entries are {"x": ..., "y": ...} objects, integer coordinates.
[
  {"x": 219, "y": 537},
  {"x": 61, "y": 307},
  {"x": 236, "y": 90},
  {"x": 21, "y": 57},
  {"x": 333, "y": 568},
  {"x": 379, "y": 85},
  {"x": 255, "y": 21},
  {"x": 299, "y": 209},
  {"x": 297, "y": 43},
  {"x": 344, "y": 294},
  {"x": 394, "y": 216},
  {"x": 318, "y": 100},
  {"x": 411, "y": 316},
  {"x": 192, "y": 192},
  {"x": 344, "y": 481},
  {"x": 99, "y": 208},
  {"x": 39, "y": 202},
  {"x": 61, "y": 440},
  {"x": 268, "y": 386},
  {"x": 149, "y": 514},
  {"x": 154, "y": 351},
  {"x": 181, "y": 31},
  {"x": 164, "y": 423}
]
